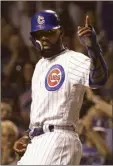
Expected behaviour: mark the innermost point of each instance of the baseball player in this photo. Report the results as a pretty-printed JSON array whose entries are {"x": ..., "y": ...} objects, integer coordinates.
[{"x": 58, "y": 87}]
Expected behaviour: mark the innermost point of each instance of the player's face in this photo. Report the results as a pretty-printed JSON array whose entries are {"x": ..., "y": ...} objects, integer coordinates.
[{"x": 50, "y": 40}]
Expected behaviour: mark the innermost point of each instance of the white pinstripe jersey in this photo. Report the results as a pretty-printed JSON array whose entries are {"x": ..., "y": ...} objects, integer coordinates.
[{"x": 58, "y": 87}]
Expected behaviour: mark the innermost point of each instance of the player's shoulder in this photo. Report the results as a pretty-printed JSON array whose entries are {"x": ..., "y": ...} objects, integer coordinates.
[
  {"x": 39, "y": 63},
  {"x": 78, "y": 55}
]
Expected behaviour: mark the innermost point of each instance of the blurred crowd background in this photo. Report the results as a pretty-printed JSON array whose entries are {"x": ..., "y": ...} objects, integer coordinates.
[{"x": 18, "y": 59}]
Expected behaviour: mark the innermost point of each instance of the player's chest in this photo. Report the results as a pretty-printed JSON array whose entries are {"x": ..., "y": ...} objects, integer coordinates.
[{"x": 49, "y": 78}]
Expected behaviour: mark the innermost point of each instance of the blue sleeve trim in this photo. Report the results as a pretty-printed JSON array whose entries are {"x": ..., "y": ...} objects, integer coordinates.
[{"x": 103, "y": 81}]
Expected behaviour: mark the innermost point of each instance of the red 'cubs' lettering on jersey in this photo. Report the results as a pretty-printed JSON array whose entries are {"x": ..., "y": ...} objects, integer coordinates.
[{"x": 54, "y": 77}]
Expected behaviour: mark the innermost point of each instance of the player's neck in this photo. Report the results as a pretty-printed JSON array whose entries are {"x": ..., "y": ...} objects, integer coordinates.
[
  {"x": 62, "y": 48},
  {"x": 54, "y": 53}
]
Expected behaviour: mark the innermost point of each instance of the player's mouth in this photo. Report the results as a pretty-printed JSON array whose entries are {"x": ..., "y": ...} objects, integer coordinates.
[{"x": 45, "y": 45}]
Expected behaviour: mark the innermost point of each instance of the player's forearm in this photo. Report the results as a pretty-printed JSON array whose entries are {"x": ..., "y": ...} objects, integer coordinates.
[{"x": 98, "y": 69}]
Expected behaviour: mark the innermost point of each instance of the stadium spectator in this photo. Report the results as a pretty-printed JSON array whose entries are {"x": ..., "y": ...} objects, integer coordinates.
[{"x": 8, "y": 137}]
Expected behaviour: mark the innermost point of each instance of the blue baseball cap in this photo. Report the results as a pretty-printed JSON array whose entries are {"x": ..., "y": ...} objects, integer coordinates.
[{"x": 45, "y": 20}]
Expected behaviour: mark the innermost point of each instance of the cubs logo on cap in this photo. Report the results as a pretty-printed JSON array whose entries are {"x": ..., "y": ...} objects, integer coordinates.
[
  {"x": 40, "y": 20},
  {"x": 54, "y": 78},
  {"x": 45, "y": 20}
]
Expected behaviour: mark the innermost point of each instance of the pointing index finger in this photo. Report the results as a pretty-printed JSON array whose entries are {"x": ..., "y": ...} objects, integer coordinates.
[{"x": 87, "y": 21}]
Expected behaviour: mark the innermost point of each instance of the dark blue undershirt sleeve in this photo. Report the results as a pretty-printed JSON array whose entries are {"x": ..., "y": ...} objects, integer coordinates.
[{"x": 98, "y": 69}]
